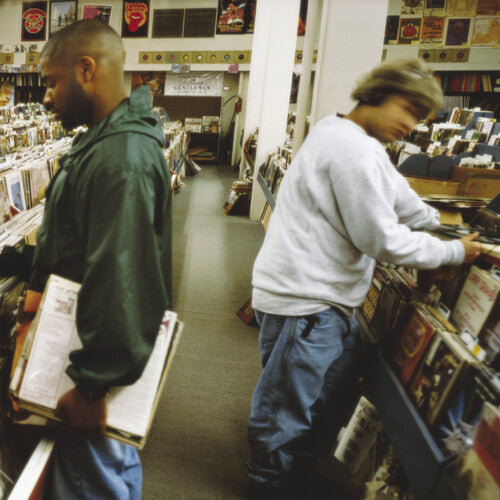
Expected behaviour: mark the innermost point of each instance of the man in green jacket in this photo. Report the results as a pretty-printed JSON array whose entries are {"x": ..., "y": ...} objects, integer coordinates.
[{"x": 107, "y": 225}]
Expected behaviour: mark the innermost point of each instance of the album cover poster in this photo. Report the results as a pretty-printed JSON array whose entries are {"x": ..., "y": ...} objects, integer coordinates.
[
  {"x": 62, "y": 14},
  {"x": 155, "y": 80},
  {"x": 101, "y": 12},
  {"x": 486, "y": 31},
  {"x": 231, "y": 17},
  {"x": 409, "y": 30},
  {"x": 391, "y": 29},
  {"x": 432, "y": 31},
  {"x": 412, "y": 7},
  {"x": 135, "y": 19},
  {"x": 461, "y": 8},
  {"x": 488, "y": 8},
  {"x": 5, "y": 213},
  {"x": 435, "y": 8},
  {"x": 34, "y": 21},
  {"x": 301, "y": 31},
  {"x": 458, "y": 31}
]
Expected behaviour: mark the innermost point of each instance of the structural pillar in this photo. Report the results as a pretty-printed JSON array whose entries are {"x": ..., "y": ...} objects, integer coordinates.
[
  {"x": 350, "y": 44},
  {"x": 271, "y": 68}
]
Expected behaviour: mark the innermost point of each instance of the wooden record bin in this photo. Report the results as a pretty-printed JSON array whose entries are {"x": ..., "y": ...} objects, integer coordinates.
[{"x": 180, "y": 107}]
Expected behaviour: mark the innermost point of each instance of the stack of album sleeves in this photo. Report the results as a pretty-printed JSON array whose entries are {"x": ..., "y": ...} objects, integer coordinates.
[{"x": 440, "y": 332}]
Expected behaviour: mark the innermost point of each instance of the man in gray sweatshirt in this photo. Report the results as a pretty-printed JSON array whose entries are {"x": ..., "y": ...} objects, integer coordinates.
[{"x": 341, "y": 206}]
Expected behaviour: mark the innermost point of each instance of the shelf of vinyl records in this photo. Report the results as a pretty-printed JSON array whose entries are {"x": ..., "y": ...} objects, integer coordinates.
[
  {"x": 269, "y": 177},
  {"x": 435, "y": 337},
  {"x": 467, "y": 83}
]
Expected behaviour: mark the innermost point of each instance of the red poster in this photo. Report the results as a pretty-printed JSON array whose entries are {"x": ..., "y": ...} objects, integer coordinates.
[
  {"x": 409, "y": 30},
  {"x": 135, "y": 20}
]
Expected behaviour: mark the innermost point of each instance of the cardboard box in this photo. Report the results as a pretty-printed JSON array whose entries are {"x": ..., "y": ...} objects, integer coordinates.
[{"x": 422, "y": 185}]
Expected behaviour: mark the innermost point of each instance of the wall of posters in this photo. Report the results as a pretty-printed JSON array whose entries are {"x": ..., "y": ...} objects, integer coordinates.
[
  {"x": 209, "y": 84},
  {"x": 236, "y": 16},
  {"x": 155, "y": 80},
  {"x": 62, "y": 14},
  {"x": 34, "y": 21},
  {"x": 101, "y": 12},
  {"x": 135, "y": 19}
]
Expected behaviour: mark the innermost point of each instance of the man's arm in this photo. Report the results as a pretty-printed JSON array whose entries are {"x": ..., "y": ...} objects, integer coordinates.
[{"x": 125, "y": 221}]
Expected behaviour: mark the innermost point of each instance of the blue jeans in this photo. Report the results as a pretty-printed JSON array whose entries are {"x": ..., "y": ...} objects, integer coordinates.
[
  {"x": 95, "y": 468},
  {"x": 308, "y": 373}
]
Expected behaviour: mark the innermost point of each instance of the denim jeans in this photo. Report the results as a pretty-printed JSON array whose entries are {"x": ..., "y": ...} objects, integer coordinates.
[
  {"x": 95, "y": 468},
  {"x": 307, "y": 376}
]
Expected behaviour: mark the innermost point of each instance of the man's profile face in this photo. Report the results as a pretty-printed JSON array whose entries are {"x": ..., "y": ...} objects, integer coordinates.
[
  {"x": 393, "y": 119},
  {"x": 64, "y": 95}
]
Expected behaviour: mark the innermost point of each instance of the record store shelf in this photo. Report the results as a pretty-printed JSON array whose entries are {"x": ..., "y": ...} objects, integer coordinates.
[
  {"x": 425, "y": 465},
  {"x": 267, "y": 192}
]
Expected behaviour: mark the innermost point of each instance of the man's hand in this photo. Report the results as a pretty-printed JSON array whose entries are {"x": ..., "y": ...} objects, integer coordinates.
[
  {"x": 472, "y": 248},
  {"x": 81, "y": 414}
]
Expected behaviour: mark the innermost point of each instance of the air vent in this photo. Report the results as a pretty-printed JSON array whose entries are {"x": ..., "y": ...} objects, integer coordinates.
[
  {"x": 199, "y": 23},
  {"x": 167, "y": 23}
]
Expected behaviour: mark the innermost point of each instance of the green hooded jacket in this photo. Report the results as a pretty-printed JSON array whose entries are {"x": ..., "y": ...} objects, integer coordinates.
[{"x": 107, "y": 225}]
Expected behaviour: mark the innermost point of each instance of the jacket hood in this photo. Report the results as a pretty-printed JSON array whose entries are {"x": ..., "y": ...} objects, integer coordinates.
[{"x": 131, "y": 115}]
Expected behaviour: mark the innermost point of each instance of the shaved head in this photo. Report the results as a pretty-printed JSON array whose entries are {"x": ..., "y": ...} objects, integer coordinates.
[{"x": 89, "y": 37}]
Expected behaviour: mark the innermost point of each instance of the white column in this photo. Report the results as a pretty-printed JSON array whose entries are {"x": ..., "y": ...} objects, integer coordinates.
[
  {"x": 351, "y": 43},
  {"x": 273, "y": 54},
  {"x": 313, "y": 10}
]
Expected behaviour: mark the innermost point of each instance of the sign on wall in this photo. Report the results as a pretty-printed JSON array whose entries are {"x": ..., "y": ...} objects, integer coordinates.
[{"x": 201, "y": 84}]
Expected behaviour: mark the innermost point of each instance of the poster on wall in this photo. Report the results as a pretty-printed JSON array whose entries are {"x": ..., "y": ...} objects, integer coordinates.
[
  {"x": 7, "y": 94},
  {"x": 409, "y": 30},
  {"x": 301, "y": 30},
  {"x": 62, "y": 14},
  {"x": 391, "y": 30},
  {"x": 155, "y": 80},
  {"x": 236, "y": 16},
  {"x": 461, "y": 8},
  {"x": 435, "y": 8},
  {"x": 101, "y": 12},
  {"x": 412, "y": 7},
  {"x": 432, "y": 31},
  {"x": 34, "y": 21},
  {"x": 209, "y": 84},
  {"x": 457, "y": 32},
  {"x": 135, "y": 19},
  {"x": 488, "y": 8},
  {"x": 486, "y": 31}
]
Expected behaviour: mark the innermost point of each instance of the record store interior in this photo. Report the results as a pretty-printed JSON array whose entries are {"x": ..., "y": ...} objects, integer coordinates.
[{"x": 248, "y": 198}]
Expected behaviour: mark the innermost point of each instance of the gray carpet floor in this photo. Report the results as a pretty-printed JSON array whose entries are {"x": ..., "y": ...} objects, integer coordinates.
[{"x": 197, "y": 445}]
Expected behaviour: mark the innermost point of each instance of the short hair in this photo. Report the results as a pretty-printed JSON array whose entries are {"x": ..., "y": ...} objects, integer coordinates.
[
  {"x": 410, "y": 78},
  {"x": 88, "y": 36}
]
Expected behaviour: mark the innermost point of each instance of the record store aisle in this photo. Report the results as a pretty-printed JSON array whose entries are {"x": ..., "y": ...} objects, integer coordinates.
[{"x": 197, "y": 445}]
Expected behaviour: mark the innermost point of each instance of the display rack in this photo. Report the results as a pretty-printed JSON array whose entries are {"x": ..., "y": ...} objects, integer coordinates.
[{"x": 265, "y": 188}]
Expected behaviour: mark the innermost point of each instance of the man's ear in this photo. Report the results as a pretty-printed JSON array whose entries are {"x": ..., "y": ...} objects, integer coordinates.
[{"x": 86, "y": 68}]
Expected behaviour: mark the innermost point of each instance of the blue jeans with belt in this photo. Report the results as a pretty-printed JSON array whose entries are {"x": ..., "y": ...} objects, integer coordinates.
[
  {"x": 308, "y": 370},
  {"x": 93, "y": 468}
]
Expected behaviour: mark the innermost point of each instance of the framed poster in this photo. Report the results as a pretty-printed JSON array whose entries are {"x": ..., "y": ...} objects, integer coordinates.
[
  {"x": 432, "y": 31},
  {"x": 135, "y": 19},
  {"x": 155, "y": 80},
  {"x": 62, "y": 14},
  {"x": 101, "y": 12},
  {"x": 391, "y": 29},
  {"x": 34, "y": 21},
  {"x": 409, "y": 30},
  {"x": 458, "y": 31},
  {"x": 236, "y": 17}
]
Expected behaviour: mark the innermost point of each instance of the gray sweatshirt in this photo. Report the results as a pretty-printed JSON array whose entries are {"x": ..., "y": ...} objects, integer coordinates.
[{"x": 341, "y": 205}]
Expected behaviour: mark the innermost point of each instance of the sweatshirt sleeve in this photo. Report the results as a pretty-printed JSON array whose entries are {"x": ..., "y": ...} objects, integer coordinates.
[
  {"x": 367, "y": 197},
  {"x": 411, "y": 210},
  {"x": 17, "y": 261},
  {"x": 123, "y": 294}
]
